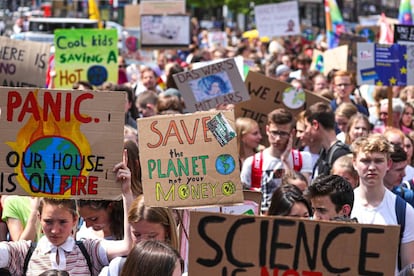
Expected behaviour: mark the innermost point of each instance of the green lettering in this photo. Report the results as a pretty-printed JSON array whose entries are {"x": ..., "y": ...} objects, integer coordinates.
[
  {"x": 203, "y": 159},
  {"x": 171, "y": 168},
  {"x": 151, "y": 167},
  {"x": 160, "y": 174},
  {"x": 112, "y": 57},
  {"x": 195, "y": 166}
]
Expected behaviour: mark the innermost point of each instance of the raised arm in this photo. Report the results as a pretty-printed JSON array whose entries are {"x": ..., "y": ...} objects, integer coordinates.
[{"x": 123, "y": 176}]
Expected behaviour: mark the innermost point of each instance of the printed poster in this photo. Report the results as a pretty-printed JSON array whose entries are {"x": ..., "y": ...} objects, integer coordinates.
[
  {"x": 286, "y": 22},
  {"x": 23, "y": 63},
  {"x": 215, "y": 84},
  {"x": 385, "y": 65},
  {"x": 223, "y": 244},
  {"x": 190, "y": 160},
  {"x": 404, "y": 34},
  {"x": 85, "y": 55},
  {"x": 60, "y": 143}
]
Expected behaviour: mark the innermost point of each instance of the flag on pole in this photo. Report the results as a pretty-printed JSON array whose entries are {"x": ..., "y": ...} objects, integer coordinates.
[
  {"x": 405, "y": 13},
  {"x": 334, "y": 23}
]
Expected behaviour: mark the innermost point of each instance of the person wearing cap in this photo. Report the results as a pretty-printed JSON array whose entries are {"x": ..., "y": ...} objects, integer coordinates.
[{"x": 282, "y": 72}]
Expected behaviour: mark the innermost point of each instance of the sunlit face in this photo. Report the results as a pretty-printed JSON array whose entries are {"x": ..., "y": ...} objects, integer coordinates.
[
  {"x": 252, "y": 138},
  {"x": 299, "y": 210},
  {"x": 99, "y": 220},
  {"x": 278, "y": 135},
  {"x": 407, "y": 117},
  {"x": 319, "y": 84},
  {"x": 148, "y": 79},
  {"x": 371, "y": 167},
  {"x": 144, "y": 230},
  {"x": 358, "y": 129},
  {"x": 57, "y": 223},
  {"x": 342, "y": 123},
  {"x": 344, "y": 172},
  {"x": 343, "y": 86},
  {"x": 324, "y": 209},
  {"x": 408, "y": 148},
  {"x": 395, "y": 174}
]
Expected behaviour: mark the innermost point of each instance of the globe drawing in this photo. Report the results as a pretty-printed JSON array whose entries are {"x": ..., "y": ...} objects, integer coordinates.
[
  {"x": 293, "y": 98},
  {"x": 225, "y": 164},
  {"x": 56, "y": 156}
]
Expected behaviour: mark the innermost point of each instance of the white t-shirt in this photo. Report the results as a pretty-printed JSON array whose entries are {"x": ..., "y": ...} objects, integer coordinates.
[{"x": 384, "y": 214}]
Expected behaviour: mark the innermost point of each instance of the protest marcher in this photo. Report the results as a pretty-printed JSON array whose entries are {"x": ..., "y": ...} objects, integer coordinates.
[
  {"x": 397, "y": 109},
  {"x": 358, "y": 126},
  {"x": 148, "y": 81},
  {"x": 146, "y": 103},
  {"x": 375, "y": 204},
  {"x": 264, "y": 170},
  {"x": 57, "y": 249},
  {"x": 248, "y": 137},
  {"x": 146, "y": 223},
  {"x": 303, "y": 141},
  {"x": 406, "y": 120},
  {"x": 320, "y": 126},
  {"x": 282, "y": 72},
  {"x": 394, "y": 176},
  {"x": 331, "y": 197},
  {"x": 342, "y": 116},
  {"x": 319, "y": 83},
  {"x": 288, "y": 200},
  {"x": 343, "y": 85},
  {"x": 153, "y": 258},
  {"x": 343, "y": 167}
]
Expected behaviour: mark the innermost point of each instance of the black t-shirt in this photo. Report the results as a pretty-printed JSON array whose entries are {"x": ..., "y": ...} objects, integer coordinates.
[{"x": 328, "y": 157}]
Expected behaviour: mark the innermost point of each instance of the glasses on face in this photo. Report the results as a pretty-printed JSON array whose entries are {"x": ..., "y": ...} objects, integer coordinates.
[{"x": 280, "y": 133}]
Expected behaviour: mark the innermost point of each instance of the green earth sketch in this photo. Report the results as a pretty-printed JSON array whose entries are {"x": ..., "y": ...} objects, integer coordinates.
[
  {"x": 293, "y": 98},
  {"x": 225, "y": 164}
]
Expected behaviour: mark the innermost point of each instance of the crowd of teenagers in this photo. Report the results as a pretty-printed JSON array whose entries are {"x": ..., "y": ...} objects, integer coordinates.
[{"x": 337, "y": 160}]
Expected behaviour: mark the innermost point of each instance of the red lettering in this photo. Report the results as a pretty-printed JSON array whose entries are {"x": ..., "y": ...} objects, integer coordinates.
[
  {"x": 64, "y": 184},
  {"x": 29, "y": 106},
  {"x": 204, "y": 121},
  {"x": 172, "y": 126},
  {"x": 290, "y": 272},
  {"x": 156, "y": 131},
  {"x": 54, "y": 106},
  {"x": 14, "y": 100},
  {"x": 78, "y": 116},
  {"x": 81, "y": 181},
  {"x": 68, "y": 103},
  {"x": 92, "y": 186}
]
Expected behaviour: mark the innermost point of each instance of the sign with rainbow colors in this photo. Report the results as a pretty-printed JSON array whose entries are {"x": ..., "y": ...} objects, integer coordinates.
[
  {"x": 85, "y": 55},
  {"x": 60, "y": 143},
  {"x": 385, "y": 65}
]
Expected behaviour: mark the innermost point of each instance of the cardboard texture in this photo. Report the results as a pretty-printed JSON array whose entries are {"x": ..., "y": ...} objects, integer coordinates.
[
  {"x": 87, "y": 54},
  {"x": 190, "y": 160},
  {"x": 385, "y": 65},
  {"x": 351, "y": 41},
  {"x": 214, "y": 84},
  {"x": 162, "y": 7},
  {"x": 285, "y": 23},
  {"x": 224, "y": 244},
  {"x": 60, "y": 143},
  {"x": 132, "y": 17},
  {"x": 267, "y": 94},
  {"x": 23, "y": 63},
  {"x": 336, "y": 58}
]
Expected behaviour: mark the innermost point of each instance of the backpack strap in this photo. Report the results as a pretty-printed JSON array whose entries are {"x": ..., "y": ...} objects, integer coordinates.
[
  {"x": 28, "y": 256},
  {"x": 400, "y": 206},
  {"x": 78, "y": 243},
  {"x": 85, "y": 254},
  {"x": 257, "y": 171},
  {"x": 297, "y": 160}
]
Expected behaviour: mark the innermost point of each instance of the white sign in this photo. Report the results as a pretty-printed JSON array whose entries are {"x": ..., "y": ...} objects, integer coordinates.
[{"x": 278, "y": 19}]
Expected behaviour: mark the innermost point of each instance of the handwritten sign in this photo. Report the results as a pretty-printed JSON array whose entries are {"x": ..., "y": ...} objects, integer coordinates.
[
  {"x": 217, "y": 40},
  {"x": 190, "y": 160},
  {"x": 60, "y": 143},
  {"x": 404, "y": 34},
  {"x": 285, "y": 23},
  {"x": 23, "y": 63},
  {"x": 224, "y": 244},
  {"x": 85, "y": 55},
  {"x": 216, "y": 83},
  {"x": 267, "y": 94},
  {"x": 336, "y": 58},
  {"x": 385, "y": 64}
]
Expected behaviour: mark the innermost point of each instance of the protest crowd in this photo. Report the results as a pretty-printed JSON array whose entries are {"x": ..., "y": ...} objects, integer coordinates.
[{"x": 347, "y": 156}]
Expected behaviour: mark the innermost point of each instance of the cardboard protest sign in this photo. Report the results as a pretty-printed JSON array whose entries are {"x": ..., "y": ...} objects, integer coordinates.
[
  {"x": 217, "y": 39},
  {"x": 132, "y": 16},
  {"x": 285, "y": 23},
  {"x": 385, "y": 65},
  {"x": 371, "y": 33},
  {"x": 224, "y": 244},
  {"x": 165, "y": 31},
  {"x": 85, "y": 54},
  {"x": 216, "y": 83},
  {"x": 351, "y": 41},
  {"x": 190, "y": 160},
  {"x": 60, "y": 143},
  {"x": 23, "y": 63},
  {"x": 267, "y": 94},
  {"x": 336, "y": 58},
  {"x": 404, "y": 34},
  {"x": 162, "y": 7}
]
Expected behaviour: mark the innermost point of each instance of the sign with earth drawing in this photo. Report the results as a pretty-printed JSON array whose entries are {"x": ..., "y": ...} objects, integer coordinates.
[
  {"x": 60, "y": 143},
  {"x": 85, "y": 55},
  {"x": 190, "y": 160}
]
